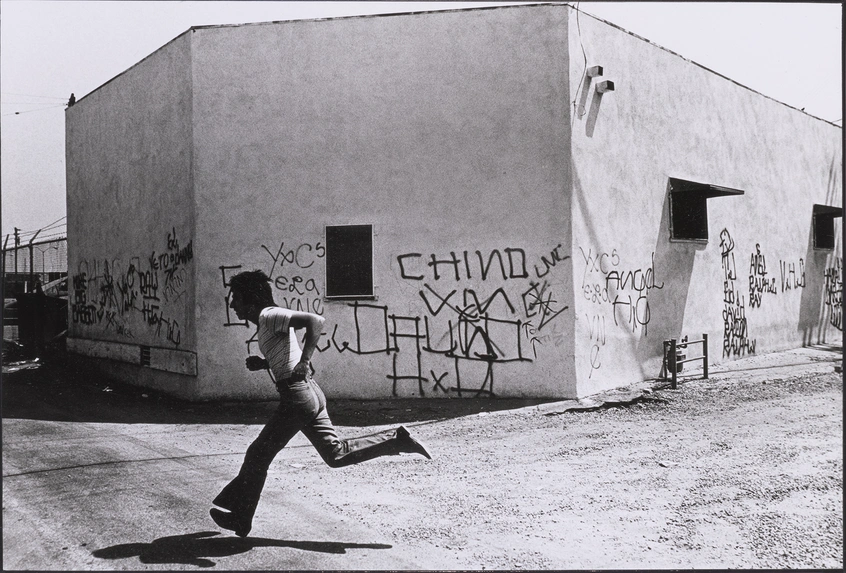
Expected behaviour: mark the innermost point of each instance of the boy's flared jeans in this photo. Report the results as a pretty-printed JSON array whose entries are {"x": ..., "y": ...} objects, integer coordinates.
[{"x": 302, "y": 408}]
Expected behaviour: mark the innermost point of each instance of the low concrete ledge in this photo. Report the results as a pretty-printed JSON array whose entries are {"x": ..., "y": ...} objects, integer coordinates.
[{"x": 166, "y": 359}]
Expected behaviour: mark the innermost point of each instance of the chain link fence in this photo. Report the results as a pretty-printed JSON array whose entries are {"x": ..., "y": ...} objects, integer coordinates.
[{"x": 44, "y": 263}]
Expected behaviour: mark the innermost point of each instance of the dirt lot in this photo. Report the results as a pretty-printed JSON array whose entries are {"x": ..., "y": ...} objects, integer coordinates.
[
  {"x": 720, "y": 473},
  {"x": 744, "y": 470}
]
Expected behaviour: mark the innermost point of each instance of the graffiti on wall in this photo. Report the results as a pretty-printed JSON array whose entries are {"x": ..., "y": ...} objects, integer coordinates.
[
  {"x": 626, "y": 289},
  {"x": 736, "y": 341},
  {"x": 833, "y": 294},
  {"x": 458, "y": 333},
  {"x": 759, "y": 280},
  {"x": 296, "y": 281},
  {"x": 618, "y": 292},
  {"x": 791, "y": 275},
  {"x": 114, "y": 294},
  {"x": 474, "y": 310}
]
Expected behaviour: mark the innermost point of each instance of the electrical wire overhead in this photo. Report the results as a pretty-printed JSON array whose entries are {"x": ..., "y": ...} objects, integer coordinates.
[
  {"x": 49, "y": 227},
  {"x": 34, "y": 110},
  {"x": 28, "y": 233},
  {"x": 43, "y": 102}
]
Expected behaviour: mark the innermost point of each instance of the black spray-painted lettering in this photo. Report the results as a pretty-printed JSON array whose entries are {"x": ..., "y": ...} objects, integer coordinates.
[
  {"x": 466, "y": 266},
  {"x": 833, "y": 294},
  {"x": 125, "y": 298},
  {"x": 736, "y": 341},
  {"x": 759, "y": 282}
]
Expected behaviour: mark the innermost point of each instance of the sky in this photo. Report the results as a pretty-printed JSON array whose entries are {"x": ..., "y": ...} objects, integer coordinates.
[{"x": 48, "y": 49}]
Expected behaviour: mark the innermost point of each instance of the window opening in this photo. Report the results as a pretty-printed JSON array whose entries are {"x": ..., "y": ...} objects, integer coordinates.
[
  {"x": 349, "y": 261},
  {"x": 823, "y": 223},
  {"x": 689, "y": 208}
]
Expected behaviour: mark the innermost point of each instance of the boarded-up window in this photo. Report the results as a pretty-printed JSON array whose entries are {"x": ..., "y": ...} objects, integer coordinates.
[{"x": 349, "y": 261}]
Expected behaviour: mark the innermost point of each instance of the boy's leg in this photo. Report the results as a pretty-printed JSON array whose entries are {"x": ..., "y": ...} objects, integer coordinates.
[
  {"x": 242, "y": 494},
  {"x": 338, "y": 453}
]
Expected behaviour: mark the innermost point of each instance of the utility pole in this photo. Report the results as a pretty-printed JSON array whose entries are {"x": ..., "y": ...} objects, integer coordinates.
[
  {"x": 3, "y": 268},
  {"x": 31, "y": 267},
  {"x": 17, "y": 244}
]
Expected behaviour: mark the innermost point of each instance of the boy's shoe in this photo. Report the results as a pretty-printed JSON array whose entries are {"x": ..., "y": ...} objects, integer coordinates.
[
  {"x": 410, "y": 445},
  {"x": 230, "y": 521}
]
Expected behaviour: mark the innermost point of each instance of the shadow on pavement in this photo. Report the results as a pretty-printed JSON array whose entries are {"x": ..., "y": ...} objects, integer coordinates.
[
  {"x": 52, "y": 388},
  {"x": 196, "y": 548}
]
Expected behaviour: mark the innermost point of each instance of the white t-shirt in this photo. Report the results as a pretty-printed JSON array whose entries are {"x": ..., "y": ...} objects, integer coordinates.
[{"x": 274, "y": 339}]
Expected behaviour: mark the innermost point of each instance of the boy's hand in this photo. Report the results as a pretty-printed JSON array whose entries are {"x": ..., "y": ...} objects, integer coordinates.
[
  {"x": 256, "y": 363},
  {"x": 300, "y": 371}
]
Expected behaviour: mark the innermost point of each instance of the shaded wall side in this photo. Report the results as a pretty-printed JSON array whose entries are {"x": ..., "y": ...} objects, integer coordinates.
[
  {"x": 445, "y": 131},
  {"x": 130, "y": 219},
  {"x": 757, "y": 285}
]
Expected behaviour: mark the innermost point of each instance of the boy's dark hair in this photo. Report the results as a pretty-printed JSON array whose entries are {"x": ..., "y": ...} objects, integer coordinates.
[{"x": 254, "y": 287}]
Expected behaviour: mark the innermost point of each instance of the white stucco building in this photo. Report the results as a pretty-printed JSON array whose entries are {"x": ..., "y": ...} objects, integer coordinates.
[{"x": 473, "y": 208}]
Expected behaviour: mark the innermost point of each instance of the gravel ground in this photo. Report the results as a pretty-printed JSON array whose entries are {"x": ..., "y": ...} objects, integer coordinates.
[{"x": 720, "y": 473}]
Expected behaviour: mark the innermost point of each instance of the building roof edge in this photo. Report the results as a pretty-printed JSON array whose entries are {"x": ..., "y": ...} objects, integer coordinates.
[
  {"x": 148, "y": 56},
  {"x": 706, "y": 68}
]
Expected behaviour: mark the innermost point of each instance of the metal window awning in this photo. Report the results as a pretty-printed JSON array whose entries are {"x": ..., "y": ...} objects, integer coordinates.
[
  {"x": 827, "y": 211},
  {"x": 704, "y": 190}
]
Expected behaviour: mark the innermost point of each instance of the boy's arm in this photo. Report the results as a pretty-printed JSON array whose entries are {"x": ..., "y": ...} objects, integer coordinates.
[{"x": 313, "y": 324}]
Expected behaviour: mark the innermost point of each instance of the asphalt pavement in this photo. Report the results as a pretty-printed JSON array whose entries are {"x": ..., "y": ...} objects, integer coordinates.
[{"x": 101, "y": 475}]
